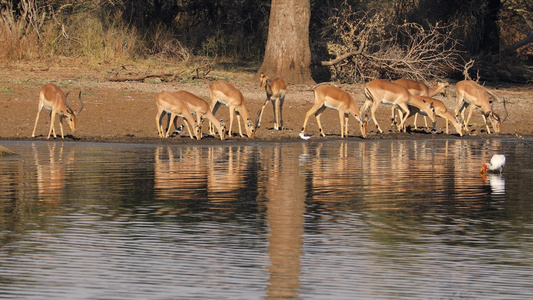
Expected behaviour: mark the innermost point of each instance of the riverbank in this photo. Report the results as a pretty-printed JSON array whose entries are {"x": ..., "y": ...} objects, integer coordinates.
[{"x": 125, "y": 111}]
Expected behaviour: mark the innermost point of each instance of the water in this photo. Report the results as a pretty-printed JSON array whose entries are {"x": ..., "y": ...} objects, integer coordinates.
[{"x": 299, "y": 220}]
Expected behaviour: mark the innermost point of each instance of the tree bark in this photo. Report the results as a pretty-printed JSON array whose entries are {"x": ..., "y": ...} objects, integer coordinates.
[
  {"x": 511, "y": 49},
  {"x": 287, "y": 53}
]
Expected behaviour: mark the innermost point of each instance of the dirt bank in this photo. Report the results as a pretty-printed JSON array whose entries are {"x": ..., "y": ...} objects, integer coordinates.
[{"x": 125, "y": 111}]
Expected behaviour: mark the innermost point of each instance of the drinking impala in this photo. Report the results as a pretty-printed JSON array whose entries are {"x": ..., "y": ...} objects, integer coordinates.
[{"x": 52, "y": 98}]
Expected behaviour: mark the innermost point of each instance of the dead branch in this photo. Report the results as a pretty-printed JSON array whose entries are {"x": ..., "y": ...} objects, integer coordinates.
[
  {"x": 366, "y": 46},
  {"x": 528, "y": 39}
]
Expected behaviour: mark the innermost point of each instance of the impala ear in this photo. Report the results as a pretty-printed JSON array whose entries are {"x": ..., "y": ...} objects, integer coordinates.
[{"x": 358, "y": 119}]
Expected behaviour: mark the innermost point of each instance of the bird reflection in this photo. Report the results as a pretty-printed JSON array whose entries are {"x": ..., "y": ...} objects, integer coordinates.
[{"x": 496, "y": 183}]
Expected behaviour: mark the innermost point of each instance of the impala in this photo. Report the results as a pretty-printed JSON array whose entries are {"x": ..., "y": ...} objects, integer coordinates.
[
  {"x": 440, "y": 111},
  {"x": 382, "y": 91},
  {"x": 417, "y": 88},
  {"x": 200, "y": 108},
  {"x": 327, "y": 96},
  {"x": 275, "y": 92},
  {"x": 52, "y": 98},
  {"x": 222, "y": 92},
  {"x": 168, "y": 103},
  {"x": 472, "y": 94}
]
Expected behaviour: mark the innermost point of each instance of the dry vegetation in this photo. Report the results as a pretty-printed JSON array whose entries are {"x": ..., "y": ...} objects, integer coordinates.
[{"x": 120, "y": 60}]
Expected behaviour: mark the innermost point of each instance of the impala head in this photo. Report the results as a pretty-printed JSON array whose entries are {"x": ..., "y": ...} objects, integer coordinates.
[
  {"x": 364, "y": 124},
  {"x": 250, "y": 131},
  {"x": 458, "y": 126},
  {"x": 71, "y": 115},
  {"x": 444, "y": 86},
  {"x": 495, "y": 120},
  {"x": 263, "y": 81}
]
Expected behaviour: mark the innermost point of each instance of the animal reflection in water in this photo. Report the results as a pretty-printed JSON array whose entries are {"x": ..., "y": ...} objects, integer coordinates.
[{"x": 496, "y": 183}]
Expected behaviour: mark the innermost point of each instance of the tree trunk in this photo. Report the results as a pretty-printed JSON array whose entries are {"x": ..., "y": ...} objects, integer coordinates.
[
  {"x": 287, "y": 52},
  {"x": 490, "y": 41}
]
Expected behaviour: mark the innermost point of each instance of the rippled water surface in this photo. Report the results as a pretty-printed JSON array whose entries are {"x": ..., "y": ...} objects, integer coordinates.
[{"x": 299, "y": 220}]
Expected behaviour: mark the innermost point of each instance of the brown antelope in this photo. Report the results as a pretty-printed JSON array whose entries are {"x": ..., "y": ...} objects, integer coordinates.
[
  {"x": 275, "y": 92},
  {"x": 468, "y": 93},
  {"x": 200, "y": 108},
  {"x": 417, "y": 88},
  {"x": 382, "y": 91},
  {"x": 52, "y": 98},
  {"x": 328, "y": 96},
  {"x": 168, "y": 103},
  {"x": 440, "y": 111},
  {"x": 222, "y": 92}
]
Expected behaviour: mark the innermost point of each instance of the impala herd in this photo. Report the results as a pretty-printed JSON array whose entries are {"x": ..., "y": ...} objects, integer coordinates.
[{"x": 407, "y": 98}]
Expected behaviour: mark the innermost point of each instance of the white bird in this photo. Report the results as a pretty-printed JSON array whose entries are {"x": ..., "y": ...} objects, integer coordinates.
[
  {"x": 304, "y": 137},
  {"x": 497, "y": 162}
]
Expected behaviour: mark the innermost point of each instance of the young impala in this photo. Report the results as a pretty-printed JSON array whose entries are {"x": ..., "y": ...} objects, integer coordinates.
[
  {"x": 440, "y": 111},
  {"x": 200, "y": 108},
  {"x": 275, "y": 92},
  {"x": 382, "y": 91},
  {"x": 472, "y": 94},
  {"x": 52, "y": 98},
  {"x": 168, "y": 103},
  {"x": 328, "y": 96},
  {"x": 417, "y": 88},
  {"x": 222, "y": 92}
]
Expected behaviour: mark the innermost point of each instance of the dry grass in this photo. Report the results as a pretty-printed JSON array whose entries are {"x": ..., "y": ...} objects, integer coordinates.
[{"x": 43, "y": 34}]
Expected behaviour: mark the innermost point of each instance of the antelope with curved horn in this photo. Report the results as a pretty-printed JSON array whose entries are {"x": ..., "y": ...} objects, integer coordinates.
[
  {"x": 275, "y": 92},
  {"x": 52, "y": 98}
]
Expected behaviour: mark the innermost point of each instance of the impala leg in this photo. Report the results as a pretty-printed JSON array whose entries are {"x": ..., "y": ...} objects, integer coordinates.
[
  {"x": 188, "y": 128},
  {"x": 199, "y": 122},
  {"x": 259, "y": 115},
  {"x": 281, "y": 99},
  {"x": 52, "y": 129},
  {"x": 231, "y": 116},
  {"x": 214, "y": 109},
  {"x": 416, "y": 118},
  {"x": 308, "y": 114},
  {"x": 171, "y": 120},
  {"x": 470, "y": 110},
  {"x": 400, "y": 115},
  {"x": 36, "y": 120},
  {"x": 275, "y": 110},
  {"x": 195, "y": 127},
  {"x": 393, "y": 116},
  {"x": 61, "y": 125},
  {"x": 406, "y": 110},
  {"x": 159, "y": 121},
  {"x": 341, "y": 120},
  {"x": 239, "y": 121},
  {"x": 373, "y": 114},
  {"x": 317, "y": 116},
  {"x": 346, "y": 124},
  {"x": 486, "y": 124}
]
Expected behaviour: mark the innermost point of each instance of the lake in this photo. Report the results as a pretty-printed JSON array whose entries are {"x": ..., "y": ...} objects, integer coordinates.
[{"x": 291, "y": 220}]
